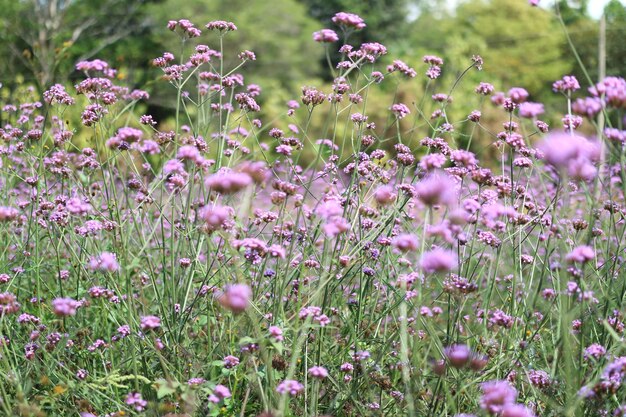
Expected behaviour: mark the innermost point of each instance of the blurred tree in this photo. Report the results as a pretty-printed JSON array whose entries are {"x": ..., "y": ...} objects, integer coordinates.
[
  {"x": 523, "y": 46},
  {"x": 572, "y": 11},
  {"x": 584, "y": 33},
  {"x": 386, "y": 19},
  {"x": 48, "y": 36},
  {"x": 279, "y": 33}
]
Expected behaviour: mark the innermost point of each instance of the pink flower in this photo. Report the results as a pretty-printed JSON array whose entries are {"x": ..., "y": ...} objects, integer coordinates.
[
  {"x": 318, "y": 372},
  {"x": 437, "y": 189},
  {"x": 290, "y": 387},
  {"x": 349, "y": 20},
  {"x": 236, "y": 297},
  {"x": 228, "y": 182},
  {"x": 385, "y": 195},
  {"x": 276, "y": 332},
  {"x": 458, "y": 355},
  {"x": 497, "y": 395},
  {"x": 325, "y": 36},
  {"x": 572, "y": 154},
  {"x": 135, "y": 400},
  {"x": 150, "y": 322},
  {"x": 106, "y": 261},
  {"x": 581, "y": 254},
  {"x": 215, "y": 217},
  {"x": 65, "y": 306},
  {"x": 400, "y": 110},
  {"x": 405, "y": 242},
  {"x": 438, "y": 260}
]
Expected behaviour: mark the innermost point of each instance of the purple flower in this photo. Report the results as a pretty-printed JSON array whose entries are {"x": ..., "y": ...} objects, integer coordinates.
[
  {"x": 135, "y": 400},
  {"x": 65, "y": 306},
  {"x": 457, "y": 355},
  {"x": 318, "y": 372},
  {"x": 438, "y": 260},
  {"x": 437, "y": 189},
  {"x": 595, "y": 351},
  {"x": 290, "y": 387},
  {"x": 276, "y": 332},
  {"x": 221, "y": 26},
  {"x": 150, "y": 322},
  {"x": 106, "y": 261},
  {"x": 581, "y": 254},
  {"x": 405, "y": 242},
  {"x": 568, "y": 83},
  {"x": 236, "y": 297},
  {"x": 571, "y": 153},
  {"x": 516, "y": 410},
  {"x": 539, "y": 379},
  {"x": 228, "y": 182},
  {"x": 325, "y": 36},
  {"x": 348, "y": 20},
  {"x": 400, "y": 110},
  {"x": 518, "y": 95},
  {"x": 385, "y": 195},
  {"x": 8, "y": 214},
  {"x": 530, "y": 110},
  {"x": 497, "y": 395},
  {"x": 215, "y": 217}
]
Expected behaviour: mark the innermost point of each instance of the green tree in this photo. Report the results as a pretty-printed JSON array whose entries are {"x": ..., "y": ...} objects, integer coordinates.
[
  {"x": 523, "y": 45},
  {"x": 44, "y": 38}
]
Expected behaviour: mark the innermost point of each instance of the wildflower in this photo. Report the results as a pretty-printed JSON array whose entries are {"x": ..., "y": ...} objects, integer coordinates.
[
  {"x": 150, "y": 323},
  {"x": 518, "y": 95},
  {"x": 539, "y": 379},
  {"x": 568, "y": 84},
  {"x": 437, "y": 189},
  {"x": 221, "y": 26},
  {"x": 8, "y": 214},
  {"x": 438, "y": 260},
  {"x": 8, "y": 303},
  {"x": 219, "y": 393},
  {"x": 348, "y": 20},
  {"x": 135, "y": 400},
  {"x": 497, "y": 395},
  {"x": 484, "y": 89},
  {"x": 225, "y": 182},
  {"x": 235, "y": 297},
  {"x": 457, "y": 355},
  {"x": 572, "y": 154},
  {"x": 530, "y": 110},
  {"x": 57, "y": 94},
  {"x": 581, "y": 254},
  {"x": 215, "y": 217},
  {"x": 290, "y": 387},
  {"x": 400, "y": 110},
  {"x": 230, "y": 361},
  {"x": 474, "y": 116},
  {"x": 65, "y": 306},
  {"x": 385, "y": 195},
  {"x": 401, "y": 67},
  {"x": 594, "y": 351},
  {"x": 325, "y": 36},
  {"x": 516, "y": 410},
  {"x": 318, "y": 372},
  {"x": 106, "y": 261}
]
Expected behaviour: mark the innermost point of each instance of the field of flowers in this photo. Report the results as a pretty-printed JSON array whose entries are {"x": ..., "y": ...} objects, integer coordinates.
[{"x": 231, "y": 266}]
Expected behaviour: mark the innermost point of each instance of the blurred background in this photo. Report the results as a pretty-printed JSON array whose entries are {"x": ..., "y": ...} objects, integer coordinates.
[{"x": 523, "y": 46}]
